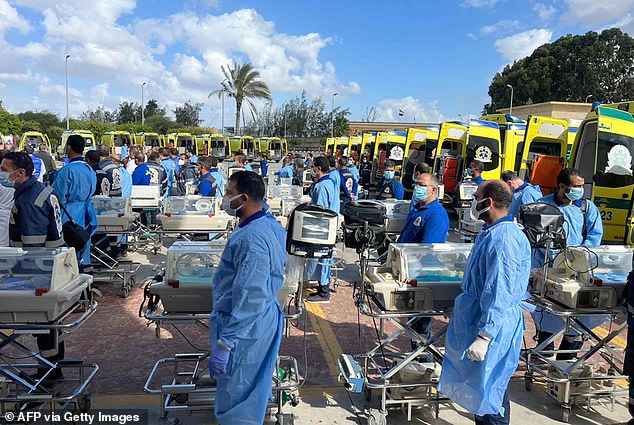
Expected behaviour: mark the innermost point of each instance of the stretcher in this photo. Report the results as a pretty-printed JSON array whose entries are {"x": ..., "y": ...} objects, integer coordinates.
[
  {"x": 182, "y": 295},
  {"x": 42, "y": 292},
  {"x": 417, "y": 282},
  {"x": 570, "y": 292}
]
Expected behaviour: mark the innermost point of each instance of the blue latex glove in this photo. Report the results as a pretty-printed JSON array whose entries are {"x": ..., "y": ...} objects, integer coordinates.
[{"x": 218, "y": 360}]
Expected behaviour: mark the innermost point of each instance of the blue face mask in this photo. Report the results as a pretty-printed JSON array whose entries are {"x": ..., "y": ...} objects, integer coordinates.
[
  {"x": 420, "y": 193},
  {"x": 469, "y": 172},
  {"x": 389, "y": 175},
  {"x": 414, "y": 178},
  {"x": 350, "y": 163},
  {"x": 575, "y": 193},
  {"x": 4, "y": 179}
]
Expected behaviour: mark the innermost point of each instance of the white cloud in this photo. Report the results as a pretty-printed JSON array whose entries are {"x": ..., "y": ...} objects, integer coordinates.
[
  {"x": 472, "y": 36},
  {"x": 10, "y": 18},
  {"x": 414, "y": 110},
  {"x": 522, "y": 44},
  {"x": 596, "y": 13},
  {"x": 544, "y": 12},
  {"x": 502, "y": 27},
  {"x": 480, "y": 3},
  {"x": 103, "y": 50}
]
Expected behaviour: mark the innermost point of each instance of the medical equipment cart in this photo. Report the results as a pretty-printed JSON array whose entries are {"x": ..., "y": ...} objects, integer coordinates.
[{"x": 42, "y": 292}]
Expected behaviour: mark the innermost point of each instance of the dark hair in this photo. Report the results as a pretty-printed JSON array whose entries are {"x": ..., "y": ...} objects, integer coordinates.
[
  {"x": 499, "y": 192},
  {"x": 174, "y": 151},
  {"x": 322, "y": 163},
  {"x": 286, "y": 161},
  {"x": 205, "y": 162},
  {"x": 298, "y": 163},
  {"x": 421, "y": 168},
  {"x": 309, "y": 155},
  {"x": 249, "y": 183},
  {"x": 104, "y": 151},
  {"x": 21, "y": 160},
  {"x": 342, "y": 161},
  {"x": 241, "y": 158},
  {"x": 565, "y": 175},
  {"x": 92, "y": 157},
  {"x": 389, "y": 163},
  {"x": 213, "y": 161},
  {"x": 153, "y": 156},
  {"x": 76, "y": 143},
  {"x": 139, "y": 158},
  {"x": 477, "y": 165},
  {"x": 164, "y": 152},
  {"x": 189, "y": 149},
  {"x": 28, "y": 149},
  {"x": 331, "y": 161},
  {"x": 508, "y": 176}
]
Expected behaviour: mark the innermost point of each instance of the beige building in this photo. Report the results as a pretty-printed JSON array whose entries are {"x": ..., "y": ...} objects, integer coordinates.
[
  {"x": 567, "y": 110},
  {"x": 357, "y": 127}
]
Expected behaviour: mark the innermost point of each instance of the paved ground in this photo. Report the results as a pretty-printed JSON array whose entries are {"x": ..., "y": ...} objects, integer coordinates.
[{"x": 126, "y": 347}]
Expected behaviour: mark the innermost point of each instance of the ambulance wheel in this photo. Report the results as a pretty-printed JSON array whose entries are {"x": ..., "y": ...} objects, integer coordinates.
[
  {"x": 376, "y": 417},
  {"x": 83, "y": 403},
  {"x": 565, "y": 414},
  {"x": 528, "y": 382}
]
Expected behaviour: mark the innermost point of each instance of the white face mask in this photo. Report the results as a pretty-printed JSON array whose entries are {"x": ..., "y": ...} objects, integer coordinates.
[
  {"x": 181, "y": 162},
  {"x": 475, "y": 212},
  {"x": 226, "y": 204}
]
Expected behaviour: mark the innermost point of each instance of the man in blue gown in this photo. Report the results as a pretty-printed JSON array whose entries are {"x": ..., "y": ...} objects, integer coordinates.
[
  {"x": 486, "y": 329},
  {"x": 247, "y": 321}
]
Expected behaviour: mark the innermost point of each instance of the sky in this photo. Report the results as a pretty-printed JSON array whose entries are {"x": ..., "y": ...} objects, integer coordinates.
[{"x": 434, "y": 59}]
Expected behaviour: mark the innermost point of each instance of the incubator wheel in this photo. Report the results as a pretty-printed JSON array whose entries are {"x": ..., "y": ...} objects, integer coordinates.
[
  {"x": 181, "y": 398},
  {"x": 528, "y": 382},
  {"x": 83, "y": 403},
  {"x": 125, "y": 291},
  {"x": 367, "y": 393},
  {"x": 376, "y": 417},
  {"x": 565, "y": 414}
]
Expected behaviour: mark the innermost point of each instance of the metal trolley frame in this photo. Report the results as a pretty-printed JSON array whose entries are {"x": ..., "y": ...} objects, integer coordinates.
[
  {"x": 20, "y": 391},
  {"x": 192, "y": 390},
  {"x": 563, "y": 385},
  {"x": 379, "y": 367}
]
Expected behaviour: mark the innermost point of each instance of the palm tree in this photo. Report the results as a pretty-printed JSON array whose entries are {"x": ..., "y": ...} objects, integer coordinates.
[{"x": 242, "y": 83}]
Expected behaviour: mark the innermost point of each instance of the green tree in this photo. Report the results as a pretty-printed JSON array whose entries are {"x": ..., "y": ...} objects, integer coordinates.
[
  {"x": 569, "y": 69},
  {"x": 160, "y": 124},
  {"x": 188, "y": 114},
  {"x": 129, "y": 112},
  {"x": 152, "y": 108},
  {"x": 242, "y": 82},
  {"x": 44, "y": 119},
  {"x": 9, "y": 123}
]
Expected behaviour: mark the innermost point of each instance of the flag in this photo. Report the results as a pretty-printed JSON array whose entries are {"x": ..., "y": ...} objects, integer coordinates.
[{"x": 401, "y": 112}]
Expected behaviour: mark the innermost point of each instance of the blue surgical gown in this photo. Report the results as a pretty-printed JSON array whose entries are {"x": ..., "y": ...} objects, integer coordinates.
[
  {"x": 573, "y": 226},
  {"x": 493, "y": 288},
  {"x": 336, "y": 178},
  {"x": 526, "y": 194},
  {"x": 324, "y": 195},
  {"x": 74, "y": 185},
  {"x": 247, "y": 317},
  {"x": 355, "y": 172},
  {"x": 220, "y": 182},
  {"x": 170, "y": 169},
  {"x": 286, "y": 172}
]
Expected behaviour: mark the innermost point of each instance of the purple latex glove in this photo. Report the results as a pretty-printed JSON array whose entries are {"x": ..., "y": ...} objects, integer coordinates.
[{"x": 218, "y": 360}]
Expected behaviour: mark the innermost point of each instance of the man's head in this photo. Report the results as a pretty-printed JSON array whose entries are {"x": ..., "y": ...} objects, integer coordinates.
[
  {"x": 138, "y": 158},
  {"x": 43, "y": 147},
  {"x": 425, "y": 188},
  {"x": 183, "y": 158},
  {"x": 245, "y": 191},
  {"x": 104, "y": 151},
  {"x": 189, "y": 152},
  {"x": 133, "y": 151},
  {"x": 309, "y": 156},
  {"x": 321, "y": 166},
  {"x": 342, "y": 162},
  {"x": 92, "y": 158},
  {"x": 298, "y": 164},
  {"x": 475, "y": 168},
  {"x": 28, "y": 149},
  {"x": 204, "y": 164},
  {"x": 389, "y": 170},
  {"x": 75, "y": 145},
  {"x": 213, "y": 161},
  {"x": 164, "y": 153},
  {"x": 153, "y": 156},
  {"x": 570, "y": 185},
  {"x": 174, "y": 153},
  {"x": 510, "y": 178},
  {"x": 18, "y": 165},
  {"x": 287, "y": 161},
  {"x": 419, "y": 169},
  {"x": 332, "y": 163},
  {"x": 491, "y": 201},
  {"x": 241, "y": 160}
]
